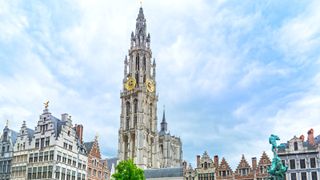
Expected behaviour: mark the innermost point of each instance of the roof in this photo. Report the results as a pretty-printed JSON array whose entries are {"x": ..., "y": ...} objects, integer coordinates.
[
  {"x": 111, "y": 161},
  {"x": 164, "y": 172},
  {"x": 88, "y": 145},
  {"x": 30, "y": 133}
]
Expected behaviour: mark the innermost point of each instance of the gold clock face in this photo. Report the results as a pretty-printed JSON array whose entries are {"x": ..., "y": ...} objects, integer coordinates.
[
  {"x": 130, "y": 84},
  {"x": 150, "y": 85}
]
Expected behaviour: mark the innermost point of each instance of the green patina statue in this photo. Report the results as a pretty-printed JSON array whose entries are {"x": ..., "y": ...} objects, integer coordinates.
[{"x": 277, "y": 169}]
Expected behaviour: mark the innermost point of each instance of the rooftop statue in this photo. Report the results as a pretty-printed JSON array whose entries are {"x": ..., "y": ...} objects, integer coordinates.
[{"x": 277, "y": 169}]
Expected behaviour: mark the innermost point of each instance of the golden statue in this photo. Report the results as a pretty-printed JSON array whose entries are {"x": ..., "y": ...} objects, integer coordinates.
[{"x": 46, "y": 104}]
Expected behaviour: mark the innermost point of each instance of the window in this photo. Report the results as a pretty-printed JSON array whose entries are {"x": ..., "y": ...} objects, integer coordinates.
[
  {"x": 303, "y": 176},
  {"x": 52, "y": 155},
  {"x": 59, "y": 157},
  {"x": 314, "y": 176},
  {"x": 57, "y": 172},
  {"x": 29, "y": 173},
  {"x": 135, "y": 106},
  {"x": 127, "y": 108},
  {"x": 37, "y": 143},
  {"x": 65, "y": 145},
  {"x": 137, "y": 62},
  {"x": 295, "y": 144},
  {"x": 47, "y": 141},
  {"x": 34, "y": 173},
  {"x": 64, "y": 158},
  {"x": 42, "y": 143},
  {"x": 313, "y": 162},
  {"x": 63, "y": 174},
  {"x": 50, "y": 171},
  {"x": 127, "y": 123},
  {"x": 40, "y": 156},
  {"x": 73, "y": 175},
  {"x": 68, "y": 174},
  {"x": 293, "y": 176},
  {"x": 46, "y": 154},
  {"x": 302, "y": 163},
  {"x": 292, "y": 164},
  {"x": 69, "y": 161},
  {"x": 70, "y": 147},
  {"x": 35, "y": 159},
  {"x": 39, "y": 173},
  {"x": 30, "y": 158}
]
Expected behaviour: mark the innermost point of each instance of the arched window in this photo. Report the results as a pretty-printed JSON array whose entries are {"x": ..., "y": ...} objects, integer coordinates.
[
  {"x": 295, "y": 144},
  {"x": 127, "y": 123},
  {"x": 127, "y": 108},
  {"x": 144, "y": 63},
  {"x": 135, "y": 104},
  {"x": 151, "y": 117},
  {"x": 137, "y": 63}
]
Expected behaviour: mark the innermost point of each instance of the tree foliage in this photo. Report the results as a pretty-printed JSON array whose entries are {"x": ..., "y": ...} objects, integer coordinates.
[{"x": 127, "y": 170}]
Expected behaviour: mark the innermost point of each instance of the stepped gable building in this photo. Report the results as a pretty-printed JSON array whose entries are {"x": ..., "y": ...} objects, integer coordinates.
[
  {"x": 139, "y": 138},
  {"x": 224, "y": 172},
  {"x": 205, "y": 168},
  {"x": 53, "y": 150},
  {"x": 244, "y": 170},
  {"x": 97, "y": 167},
  {"x": 262, "y": 167},
  {"x": 20, "y": 154},
  {"x": 7, "y": 142},
  {"x": 302, "y": 157}
]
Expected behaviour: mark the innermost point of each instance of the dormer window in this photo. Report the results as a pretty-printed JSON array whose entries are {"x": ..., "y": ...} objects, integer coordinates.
[{"x": 295, "y": 144}]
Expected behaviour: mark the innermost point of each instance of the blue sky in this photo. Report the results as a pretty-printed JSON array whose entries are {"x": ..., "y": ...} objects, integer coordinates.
[{"x": 230, "y": 73}]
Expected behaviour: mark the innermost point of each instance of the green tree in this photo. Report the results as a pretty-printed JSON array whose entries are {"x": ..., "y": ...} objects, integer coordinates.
[{"x": 127, "y": 170}]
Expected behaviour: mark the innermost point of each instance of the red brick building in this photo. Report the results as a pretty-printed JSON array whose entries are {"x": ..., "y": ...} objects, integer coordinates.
[
  {"x": 224, "y": 172},
  {"x": 244, "y": 170},
  {"x": 97, "y": 167}
]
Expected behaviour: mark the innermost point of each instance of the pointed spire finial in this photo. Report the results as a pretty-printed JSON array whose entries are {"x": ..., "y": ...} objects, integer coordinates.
[
  {"x": 164, "y": 114},
  {"x": 96, "y": 138},
  {"x": 141, "y": 3},
  {"x": 7, "y": 123}
]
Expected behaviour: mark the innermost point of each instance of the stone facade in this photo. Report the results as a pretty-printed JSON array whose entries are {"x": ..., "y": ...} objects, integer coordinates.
[
  {"x": 97, "y": 167},
  {"x": 170, "y": 147},
  {"x": 7, "y": 142},
  {"x": 302, "y": 157},
  {"x": 138, "y": 133},
  {"x": 21, "y": 151}
]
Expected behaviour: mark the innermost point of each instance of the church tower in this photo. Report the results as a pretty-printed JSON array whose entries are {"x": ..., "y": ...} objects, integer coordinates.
[{"x": 138, "y": 134}]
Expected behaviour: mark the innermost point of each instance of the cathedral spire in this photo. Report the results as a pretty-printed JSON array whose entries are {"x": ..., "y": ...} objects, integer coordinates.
[
  {"x": 164, "y": 124},
  {"x": 140, "y": 38}
]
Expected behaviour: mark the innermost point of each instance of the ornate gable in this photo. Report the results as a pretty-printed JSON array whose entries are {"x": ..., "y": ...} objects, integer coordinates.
[
  {"x": 244, "y": 170},
  {"x": 262, "y": 167},
  {"x": 224, "y": 171}
]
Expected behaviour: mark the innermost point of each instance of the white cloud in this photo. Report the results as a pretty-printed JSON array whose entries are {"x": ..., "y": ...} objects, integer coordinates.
[{"x": 299, "y": 37}]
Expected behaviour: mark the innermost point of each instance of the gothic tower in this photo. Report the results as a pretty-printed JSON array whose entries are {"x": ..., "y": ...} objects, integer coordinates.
[{"x": 138, "y": 134}]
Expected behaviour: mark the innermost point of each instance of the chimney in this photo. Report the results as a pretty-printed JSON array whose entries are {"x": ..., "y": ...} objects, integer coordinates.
[
  {"x": 79, "y": 131},
  {"x": 310, "y": 137},
  {"x": 254, "y": 163},
  {"x": 216, "y": 160},
  {"x": 302, "y": 138},
  {"x": 198, "y": 160}
]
